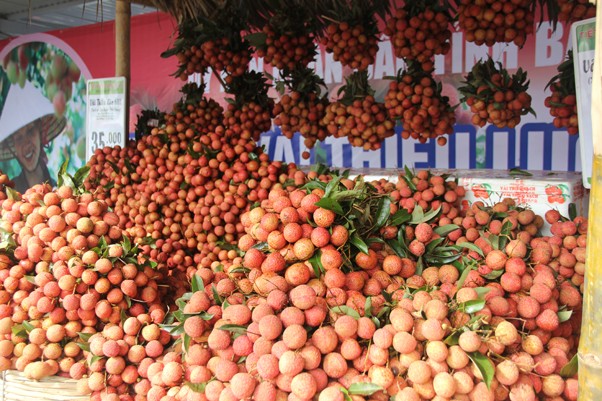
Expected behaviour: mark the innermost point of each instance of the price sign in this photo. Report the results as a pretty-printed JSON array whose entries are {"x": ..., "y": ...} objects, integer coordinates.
[
  {"x": 105, "y": 114},
  {"x": 583, "y": 35}
]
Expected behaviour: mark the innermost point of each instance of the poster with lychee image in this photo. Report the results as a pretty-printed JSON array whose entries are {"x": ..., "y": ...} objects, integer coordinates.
[{"x": 42, "y": 113}]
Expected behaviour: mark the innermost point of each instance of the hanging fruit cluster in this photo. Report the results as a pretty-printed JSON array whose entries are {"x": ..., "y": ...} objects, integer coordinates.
[
  {"x": 420, "y": 30},
  {"x": 287, "y": 38},
  {"x": 495, "y": 96},
  {"x": 491, "y": 21},
  {"x": 575, "y": 10},
  {"x": 302, "y": 108},
  {"x": 358, "y": 116},
  {"x": 211, "y": 42},
  {"x": 414, "y": 97},
  {"x": 249, "y": 113},
  {"x": 563, "y": 100},
  {"x": 352, "y": 35}
]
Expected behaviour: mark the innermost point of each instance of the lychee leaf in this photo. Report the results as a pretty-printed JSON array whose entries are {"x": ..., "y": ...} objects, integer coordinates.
[
  {"x": 484, "y": 365},
  {"x": 571, "y": 368},
  {"x": 433, "y": 244},
  {"x": 80, "y": 175},
  {"x": 572, "y": 211},
  {"x": 262, "y": 247},
  {"x": 463, "y": 277},
  {"x": 382, "y": 212},
  {"x": 85, "y": 336},
  {"x": 364, "y": 388},
  {"x": 400, "y": 217},
  {"x": 346, "y": 395},
  {"x": 186, "y": 342},
  {"x": 196, "y": 283},
  {"x": 19, "y": 331},
  {"x": 482, "y": 291},
  {"x": 28, "y": 326},
  {"x": 494, "y": 274},
  {"x": 197, "y": 387},
  {"x": 330, "y": 204},
  {"x": 452, "y": 339},
  {"x": 368, "y": 307},
  {"x": 430, "y": 215},
  {"x": 239, "y": 269},
  {"x": 387, "y": 296},
  {"x": 30, "y": 279},
  {"x": 316, "y": 263},
  {"x": 12, "y": 194},
  {"x": 218, "y": 300},
  {"x": 358, "y": 243},
  {"x": 417, "y": 215},
  {"x": 470, "y": 246},
  {"x": 234, "y": 328},
  {"x": 446, "y": 229},
  {"x": 83, "y": 346},
  {"x": 472, "y": 306},
  {"x": 95, "y": 358},
  {"x": 346, "y": 310},
  {"x": 564, "y": 315}
]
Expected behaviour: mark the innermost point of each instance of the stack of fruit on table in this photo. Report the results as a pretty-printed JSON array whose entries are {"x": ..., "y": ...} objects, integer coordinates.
[{"x": 188, "y": 266}]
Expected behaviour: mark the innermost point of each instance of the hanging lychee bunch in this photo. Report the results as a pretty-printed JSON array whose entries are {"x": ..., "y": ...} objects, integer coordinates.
[
  {"x": 420, "y": 30},
  {"x": 358, "y": 116},
  {"x": 576, "y": 10},
  {"x": 495, "y": 96},
  {"x": 563, "y": 100},
  {"x": 302, "y": 107},
  {"x": 352, "y": 33},
  {"x": 491, "y": 21},
  {"x": 195, "y": 111},
  {"x": 249, "y": 113},
  {"x": 414, "y": 97},
  {"x": 287, "y": 38},
  {"x": 209, "y": 43}
]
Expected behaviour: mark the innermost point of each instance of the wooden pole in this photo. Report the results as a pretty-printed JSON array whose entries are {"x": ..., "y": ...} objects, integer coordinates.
[{"x": 123, "y": 13}]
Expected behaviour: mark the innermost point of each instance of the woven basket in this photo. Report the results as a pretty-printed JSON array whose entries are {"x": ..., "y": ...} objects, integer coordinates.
[{"x": 14, "y": 386}]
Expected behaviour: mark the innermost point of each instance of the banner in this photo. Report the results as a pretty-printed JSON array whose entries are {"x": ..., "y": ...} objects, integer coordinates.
[{"x": 535, "y": 144}]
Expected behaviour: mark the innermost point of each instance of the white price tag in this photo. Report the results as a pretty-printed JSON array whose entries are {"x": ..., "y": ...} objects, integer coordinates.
[{"x": 105, "y": 114}]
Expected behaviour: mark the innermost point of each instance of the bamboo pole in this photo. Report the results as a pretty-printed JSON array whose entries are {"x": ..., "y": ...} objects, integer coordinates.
[
  {"x": 590, "y": 345},
  {"x": 123, "y": 13}
]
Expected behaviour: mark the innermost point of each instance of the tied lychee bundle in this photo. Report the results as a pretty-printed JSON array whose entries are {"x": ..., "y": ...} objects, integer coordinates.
[
  {"x": 414, "y": 97},
  {"x": 491, "y": 21},
  {"x": 358, "y": 116},
  {"x": 287, "y": 38},
  {"x": 563, "y": 100},
  {"x": 352, "y": 33},
  {"x": 495, "y": 96},
  {"x": 249, "y": 113},
  {"x": 302, "y": 108},
  {"x": 575, "y": 10},
  {"x": 208, "y": 43},
  {"x": 419, "y": 31}
]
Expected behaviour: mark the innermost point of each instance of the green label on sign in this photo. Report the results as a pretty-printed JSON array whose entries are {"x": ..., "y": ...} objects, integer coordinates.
[
  {"x": 106, "y": 87},
  {"x": 586, "y": 37}
]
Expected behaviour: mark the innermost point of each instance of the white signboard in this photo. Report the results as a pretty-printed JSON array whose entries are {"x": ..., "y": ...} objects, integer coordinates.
[
  {"x": 105, "y": 114},
  {"x": 583, "y": 36}
]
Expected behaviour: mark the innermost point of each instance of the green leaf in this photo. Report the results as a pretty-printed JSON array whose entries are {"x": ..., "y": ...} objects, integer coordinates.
[
  {"x": 12, "y": 194},
  {"x": 197, "y": 387},
  {"x": 95, "y": 358},
  {"x": 433, "y": 244},
  {"x": 19, "y": 331},
  {"x": 28, "y": 326},
  {"x": 494, "y": 274},
  {"x": 572, "y": 211},
  {"x": 358, "y": 243},
  {"x": 430, "y": 215},
  {"x": 564, "y": 315},
  {"x": 382, "y": 212},
  {"x": 62, "y": 173},
  {"x": 316, "y": 263},
  {"x": 186, "y": 343},
  {"x": 463, "y": 277},
  {"x": 470, "y": 246},
  {"x": 472, "y": 306},
  {"x": 330, "y": 204},
  {"x": 81, "y": 175},
  {"x": 239, "y": 269},
  {"x": 262, "y": 247},
  {"x": 197, "y": 283},
  {"x": 446, "y": 229},
  {"x": 216, "y": 296},
  {"x": 257, "y": 39},
  {"x": 571, "y": 368},
  {"x": 417, "y": 215},
  {"x": 331, "y": 186},
  {"x": 84, "y": 336},
  {"x": 400, "y": 217},
  {"x": 364, "y": 388},
  {"x": 346, "y": 395},
  {"x": 83, "y": 346},
  {"x": 368, "y": 307},
  {"x": 482, "y": 291},
  {"x": 484, "y": 365},
  {"x": 176, "y": 330},
  {"x": 234, "y": 328},
  {"x": 515, "y": 172},
  {"x": 206, "y": 316},
  {"x": 453, "y": 338},
  {"x": 346, "y": 310}
]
